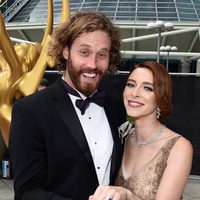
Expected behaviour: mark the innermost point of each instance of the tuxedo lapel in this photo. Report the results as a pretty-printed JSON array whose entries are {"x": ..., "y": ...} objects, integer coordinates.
[
  {"x": 117, "y": 148},
  {"x": 65, "y": 108}
]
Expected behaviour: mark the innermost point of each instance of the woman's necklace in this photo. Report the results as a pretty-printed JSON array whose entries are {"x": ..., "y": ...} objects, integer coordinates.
[{"x": 152, "y": 139}]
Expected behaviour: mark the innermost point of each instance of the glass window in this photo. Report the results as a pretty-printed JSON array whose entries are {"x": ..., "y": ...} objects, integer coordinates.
[
  {"x": 139, "y": 18},
  {"x": 107, "y": 8},
  {"x": 108, "y": 4},
  {"x": 108, "y": 1},
  {"x": 37, "y": 9},
  {"x": 90, "y": 5},
  {"x": 167, "y": 14},
  {"x": 168, "y": 18},
  {"x": 147, "y": 1},
  {"x": 185, "y": 10},
  {"x": 146, "y": 5},
  {"x": 130, "y": 4},
  {"x": 188, "y": 16},
  {"x": 91, "y": 1},
  {"x": 126, "y": 9},
  {"x": 126, "y": 1},
  {"x": 165, "y": 5},
  {"x": 184, "y": 1},
  {"x": 125, "y": 14},
  {"x": 152, "y": 9},
  {"x": 165, "y": 1},
  {"x": 76, "y": 1},
  {"x": 182, "y": 5},
  {"x": 166, "y": 10}
]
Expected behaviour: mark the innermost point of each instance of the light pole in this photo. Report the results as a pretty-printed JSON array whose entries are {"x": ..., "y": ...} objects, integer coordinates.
[
  {"x": 159, "y": 27},
  {"x": 168, "y": 49}
]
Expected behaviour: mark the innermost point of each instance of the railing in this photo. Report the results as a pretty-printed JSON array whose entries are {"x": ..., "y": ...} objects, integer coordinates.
[
  {"x": 194, "y": 177},
  {"x": 127, "y": 72}
]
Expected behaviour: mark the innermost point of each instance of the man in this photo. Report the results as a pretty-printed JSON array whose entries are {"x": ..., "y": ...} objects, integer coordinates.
[{"x": 61, "y": 146}]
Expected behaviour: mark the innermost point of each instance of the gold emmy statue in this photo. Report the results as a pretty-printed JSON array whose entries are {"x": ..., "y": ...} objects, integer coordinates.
[{"x": 22, "y": 66}]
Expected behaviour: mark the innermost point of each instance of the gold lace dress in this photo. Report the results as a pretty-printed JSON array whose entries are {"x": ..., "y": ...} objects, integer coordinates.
[{"x": 145, "y": 182}]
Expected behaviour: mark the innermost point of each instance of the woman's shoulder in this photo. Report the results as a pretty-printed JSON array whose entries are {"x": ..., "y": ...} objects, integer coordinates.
[
  {"x": 182, "y": 141},
  {"x": 182, "y": 147}
]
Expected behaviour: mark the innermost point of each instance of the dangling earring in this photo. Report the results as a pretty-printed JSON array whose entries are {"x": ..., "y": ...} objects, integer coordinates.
[{"x": 158, "y": 112}]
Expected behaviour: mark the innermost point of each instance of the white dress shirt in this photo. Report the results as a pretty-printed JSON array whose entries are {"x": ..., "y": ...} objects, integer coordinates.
[{"x": 99, "y": 138}]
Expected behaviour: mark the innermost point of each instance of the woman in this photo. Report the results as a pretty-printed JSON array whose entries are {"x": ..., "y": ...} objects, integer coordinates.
[{"x": 157, "y": 161}]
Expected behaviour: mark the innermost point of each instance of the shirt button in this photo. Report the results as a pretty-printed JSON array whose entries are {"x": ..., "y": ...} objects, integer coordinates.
[{"x": 98, "y": 167}]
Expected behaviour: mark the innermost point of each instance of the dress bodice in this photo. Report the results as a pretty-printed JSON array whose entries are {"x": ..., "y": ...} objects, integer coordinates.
[{"x": 144, "y": 183}]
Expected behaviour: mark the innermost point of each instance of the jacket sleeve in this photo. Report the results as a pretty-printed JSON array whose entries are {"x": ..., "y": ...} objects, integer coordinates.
[{"x": 28, "y": 157}]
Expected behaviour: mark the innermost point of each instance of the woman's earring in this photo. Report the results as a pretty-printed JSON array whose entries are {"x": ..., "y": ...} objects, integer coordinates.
[{"x": 158, "y": 112}]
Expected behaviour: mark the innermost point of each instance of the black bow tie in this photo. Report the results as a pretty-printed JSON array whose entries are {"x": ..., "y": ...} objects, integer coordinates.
[{"x": 98, "y": 98}]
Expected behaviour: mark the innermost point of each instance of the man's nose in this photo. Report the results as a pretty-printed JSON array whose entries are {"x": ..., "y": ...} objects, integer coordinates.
[{"x": 92, "y": 61}]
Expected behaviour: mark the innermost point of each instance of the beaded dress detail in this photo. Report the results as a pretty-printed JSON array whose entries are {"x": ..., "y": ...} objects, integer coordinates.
[{"x": 144, "y": 183}]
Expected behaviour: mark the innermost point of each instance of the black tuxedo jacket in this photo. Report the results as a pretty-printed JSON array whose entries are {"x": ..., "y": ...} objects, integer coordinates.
[{"x": 48, "y": 149}]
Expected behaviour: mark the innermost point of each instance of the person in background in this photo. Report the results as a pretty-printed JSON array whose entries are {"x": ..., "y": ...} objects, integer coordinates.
[
  {"x": 64, "y": 140},
  {"x": 43, "y": 84},
  {"x": 156, "y": 161}
]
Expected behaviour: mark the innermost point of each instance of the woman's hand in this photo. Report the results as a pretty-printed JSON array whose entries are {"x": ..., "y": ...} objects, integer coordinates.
[{"x": 111, "y": 193}]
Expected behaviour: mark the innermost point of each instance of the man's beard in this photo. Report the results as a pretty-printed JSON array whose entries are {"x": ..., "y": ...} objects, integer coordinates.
[{"x": 74, "y": 74}]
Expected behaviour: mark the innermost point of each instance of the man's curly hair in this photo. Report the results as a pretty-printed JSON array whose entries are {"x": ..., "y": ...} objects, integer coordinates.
[{"x": 83, "y": 22}]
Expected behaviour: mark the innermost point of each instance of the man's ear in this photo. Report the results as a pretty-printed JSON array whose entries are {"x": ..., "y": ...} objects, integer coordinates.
[{"x": 66, "y": 53}]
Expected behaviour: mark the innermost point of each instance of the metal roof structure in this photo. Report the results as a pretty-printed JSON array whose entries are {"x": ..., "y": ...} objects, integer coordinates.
[{"x": 26, "y": 20}]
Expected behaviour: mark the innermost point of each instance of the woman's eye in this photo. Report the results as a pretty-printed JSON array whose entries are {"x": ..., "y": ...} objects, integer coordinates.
[
  {"x": 148, "y": 89},
  {"x": 130, "y": 84}
]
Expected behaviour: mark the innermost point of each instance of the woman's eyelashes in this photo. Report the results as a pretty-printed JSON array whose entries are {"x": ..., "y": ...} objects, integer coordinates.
[
  {"x": 148, "y": 88},
  {"x": 145, "y": 87},
  {"x": 130, "y": 84}
]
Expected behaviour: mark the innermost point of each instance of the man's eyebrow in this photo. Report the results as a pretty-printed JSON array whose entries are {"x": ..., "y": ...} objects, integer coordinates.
[
  {"x": 85, "y": 45},
  {"x": 88, "y": 46}
]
